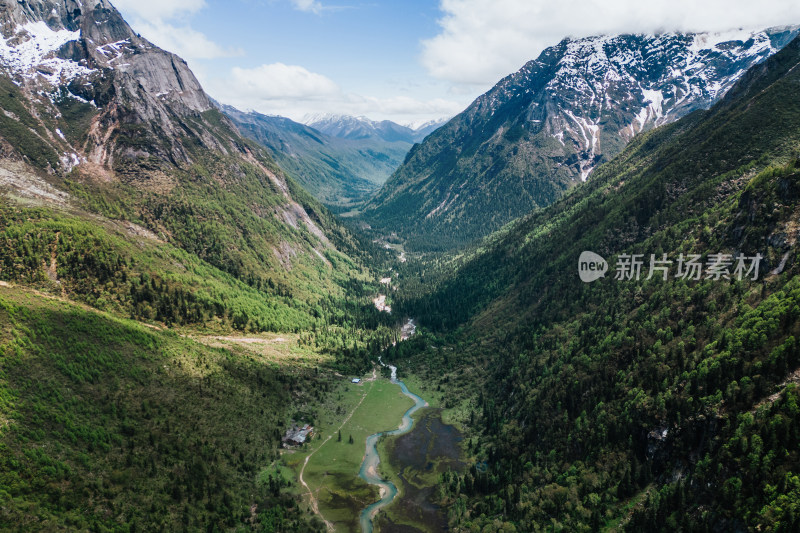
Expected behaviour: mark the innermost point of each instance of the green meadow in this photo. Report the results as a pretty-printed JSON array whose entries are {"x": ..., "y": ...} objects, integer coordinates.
[{"x": 332, "y": 470}]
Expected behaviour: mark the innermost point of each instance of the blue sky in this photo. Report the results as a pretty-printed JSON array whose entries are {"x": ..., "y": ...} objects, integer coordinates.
[
  {"x": 360, "y": 58},
  {"x": 409, "y": 60}
]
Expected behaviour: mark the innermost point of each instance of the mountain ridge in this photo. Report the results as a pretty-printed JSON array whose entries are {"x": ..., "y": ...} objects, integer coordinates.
[
  {"x": 664, "y": 398},
  {"x": 100, "y": 122},
  {"x": 543, "y": 129},
  {"x": 352, "y": 127},
  {"x": 338, "y": 171}
]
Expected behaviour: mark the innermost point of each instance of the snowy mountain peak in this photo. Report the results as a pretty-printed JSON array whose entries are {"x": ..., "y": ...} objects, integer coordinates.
[
  {"x": 56, "y": 51},
  {"x": 350, "y": 127},
  {"x": 46, "y": 44},
  {"x": 543, "y": 129},
  {"x": 31, "y": 51},
  {"x": 578, "y": 89}
]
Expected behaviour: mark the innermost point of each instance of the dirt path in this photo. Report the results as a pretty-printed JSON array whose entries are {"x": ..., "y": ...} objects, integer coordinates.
[{"x": 313, "y": 499}]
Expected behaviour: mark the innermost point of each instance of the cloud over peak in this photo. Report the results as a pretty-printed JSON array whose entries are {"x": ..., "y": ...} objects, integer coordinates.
[{"x": 483, "y": 40}]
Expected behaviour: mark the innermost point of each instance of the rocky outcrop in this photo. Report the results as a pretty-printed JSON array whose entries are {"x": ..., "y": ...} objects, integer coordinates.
[
  {"x": 87, "y": 52},
  {"x": 99, "y": 38}
]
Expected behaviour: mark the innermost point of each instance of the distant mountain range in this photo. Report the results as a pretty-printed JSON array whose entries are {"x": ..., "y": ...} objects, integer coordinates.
[
  {"x": 349, "y": 127},
  {"x": 543, "y": 129},
  {"x": 341, "y": 160},
  {"x": 338, "y": 171}
]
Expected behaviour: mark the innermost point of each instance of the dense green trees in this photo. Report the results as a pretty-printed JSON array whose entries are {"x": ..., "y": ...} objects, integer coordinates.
[{"x": 644, "y": 404}]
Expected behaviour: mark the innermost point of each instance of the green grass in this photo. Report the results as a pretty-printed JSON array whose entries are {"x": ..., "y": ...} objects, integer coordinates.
[
  {"x": 332, "y": 471},
  {"x": 625, "y": 510}
]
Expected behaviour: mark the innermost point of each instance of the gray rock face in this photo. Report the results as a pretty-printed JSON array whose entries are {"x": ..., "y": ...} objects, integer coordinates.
[
  {"x": 87, "y": 99},
  {"x": 86, "y": 51},
  {"x": 100, "y": 39}
]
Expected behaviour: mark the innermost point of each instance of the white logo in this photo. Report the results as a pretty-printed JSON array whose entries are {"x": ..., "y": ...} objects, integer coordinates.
[
  {"x": 631, "y": 267},
  {"x": 591, "y": 267}
]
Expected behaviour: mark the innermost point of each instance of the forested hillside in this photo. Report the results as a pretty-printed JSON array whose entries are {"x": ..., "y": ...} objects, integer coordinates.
[
  {"x": 141, "y": 237},
  {"x": 111, "y": 426},
  {"x": 646, "y": 404},
  {"x": 340, "y": 172}
]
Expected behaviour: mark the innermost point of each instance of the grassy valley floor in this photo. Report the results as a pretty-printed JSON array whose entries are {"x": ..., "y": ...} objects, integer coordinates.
[{"x": 330, "y": 466}]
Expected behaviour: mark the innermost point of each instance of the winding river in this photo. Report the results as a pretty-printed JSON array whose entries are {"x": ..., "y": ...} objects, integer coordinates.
[{"x": 369, "y": 468}]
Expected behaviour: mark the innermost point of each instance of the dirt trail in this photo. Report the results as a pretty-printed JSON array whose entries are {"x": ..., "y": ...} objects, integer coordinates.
[{"x": 313, "y": 499}]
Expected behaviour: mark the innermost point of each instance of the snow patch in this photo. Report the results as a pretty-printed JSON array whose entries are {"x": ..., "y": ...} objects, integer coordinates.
[
  {"x": 30, "y": 52},
  {"x": 70, "y": 161},
  {"x": 113, "y": 51}
]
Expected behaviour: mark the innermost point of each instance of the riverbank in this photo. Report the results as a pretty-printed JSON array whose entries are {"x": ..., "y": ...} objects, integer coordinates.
[
  {"x": 331, "y": 472},
  {"x": 370, "y": 466}
]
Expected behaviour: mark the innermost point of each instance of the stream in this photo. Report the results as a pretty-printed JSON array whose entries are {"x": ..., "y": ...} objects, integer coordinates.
[{"x": 369, "y": 468}]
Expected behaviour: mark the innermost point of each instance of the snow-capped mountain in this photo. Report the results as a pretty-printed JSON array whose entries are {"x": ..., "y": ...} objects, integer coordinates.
[
  {"x": 57, "y": 52},
  {"x": 423, "y": 128},
  {"x": 350, "y": 127},
  {"x": 643, "y": 81},
  {"x": 546, "y": 127},
  {"x": 59, "y": 42},
  {"x": 84, "y": 97}
]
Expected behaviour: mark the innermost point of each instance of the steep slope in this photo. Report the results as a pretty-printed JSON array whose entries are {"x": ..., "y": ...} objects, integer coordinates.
[
  {"x": 339, "y": 172},
  {"x": 111, "y": 426},
  {"x": 101, "y": 122},
  {"x": 639, "y": 404},
  {"x": 543, "y": 129}
]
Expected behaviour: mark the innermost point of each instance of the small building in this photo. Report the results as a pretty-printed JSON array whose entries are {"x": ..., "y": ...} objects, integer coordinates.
[
  {"x": 356, "y": 380},
  {"x": 297, "y": 436}
]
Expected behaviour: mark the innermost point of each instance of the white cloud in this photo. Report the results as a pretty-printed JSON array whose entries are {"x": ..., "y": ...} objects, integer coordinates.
[
  {"x": 154, "y": 20},
  {"x": 278, "y": 81},
  {"x": 483, "y": 40},
  {"x": 184, "y": 41},
  {"x": 311, "y": 6},
  {"x": 159, "y": 9},
  {"x": 294, "y": 91}
]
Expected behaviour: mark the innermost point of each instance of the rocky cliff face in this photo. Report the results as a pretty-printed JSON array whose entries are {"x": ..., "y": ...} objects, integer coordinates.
[
  {"x": 62, "y": 41},
  {"x": 71, "y": 50},
  {"x": 546, "y": 127}
]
